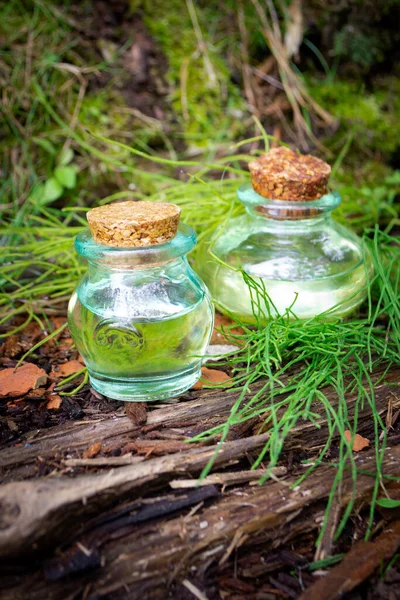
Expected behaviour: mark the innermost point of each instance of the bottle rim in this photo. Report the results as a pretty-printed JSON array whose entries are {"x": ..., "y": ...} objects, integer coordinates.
[
  {"x": 181, "y": 244},
  {"x": 287, "y": 209}
]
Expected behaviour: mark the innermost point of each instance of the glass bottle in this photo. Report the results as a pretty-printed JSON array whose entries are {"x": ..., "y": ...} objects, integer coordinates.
[
  {"x": 141, "y": 318},
  {"x": 307, "y": 263}
]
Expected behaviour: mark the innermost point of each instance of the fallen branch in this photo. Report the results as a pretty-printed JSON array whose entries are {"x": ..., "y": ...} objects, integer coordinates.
[{"x": 356, "y": 566}]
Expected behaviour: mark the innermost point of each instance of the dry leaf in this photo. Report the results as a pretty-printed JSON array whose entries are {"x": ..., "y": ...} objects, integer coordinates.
[
  {"x": 14, "y": 383},
  {"x": 227, "y": 323},
  {"x": 11, "y": 346},
  {"x": 54, "y": 402},
  {"x": 37, "y": 394},
  {"x": 92, "y": 451},
  {"x": 66, "y": 369},
  {"x": 210, "y": 377},
  {"x": 359, "y": 442}
]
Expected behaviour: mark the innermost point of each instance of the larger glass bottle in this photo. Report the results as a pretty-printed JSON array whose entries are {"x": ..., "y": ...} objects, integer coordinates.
[
  {"x": 141, "y": 318},
  {"x": 306, "y": 262}
]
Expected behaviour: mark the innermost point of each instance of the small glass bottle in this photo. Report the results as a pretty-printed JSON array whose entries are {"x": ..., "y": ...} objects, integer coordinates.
[
  {"x": 141, "y": 318},
  {"x": 288, "y": 241}
]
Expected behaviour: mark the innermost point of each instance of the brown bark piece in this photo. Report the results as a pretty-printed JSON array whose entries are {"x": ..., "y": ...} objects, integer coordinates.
[
  {"x": 359, "y": 442},
  {"x": 282, "y": 174},
  {"x": 136, "y": 412},
  {"x": 93, "y": 450},
  {"x": 54, "y": 402},
  {"x": 129, "y": 224},
  {"x": 208, "y": 409},
  {"x": 356, "y": 566},
  {"x": 17, "y": 382},
  {"x": 159, "y": 447},
  {"x": 210, "y": 377},
  {"x": 221, "y": 321},
  {"x": 66, "y": 369},
  {"x": 40, "y": 511}
]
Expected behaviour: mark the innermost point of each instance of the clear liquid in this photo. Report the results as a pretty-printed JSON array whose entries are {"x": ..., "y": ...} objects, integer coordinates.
[
  {"x": 308, "y": 297},
  {"x": 135, "y": 358}
]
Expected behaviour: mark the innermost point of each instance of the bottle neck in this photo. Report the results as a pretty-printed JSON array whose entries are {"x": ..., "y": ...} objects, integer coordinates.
[
  {"x": 125, "y": 266},
  {"x": 281, "y": 220},
  {"x": 289, "y": 213},
  {"x": 136, "y": 258}
]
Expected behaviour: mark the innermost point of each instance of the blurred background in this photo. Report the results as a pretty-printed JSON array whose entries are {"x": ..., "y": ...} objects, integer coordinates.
[{"x": 189, "y": 80}]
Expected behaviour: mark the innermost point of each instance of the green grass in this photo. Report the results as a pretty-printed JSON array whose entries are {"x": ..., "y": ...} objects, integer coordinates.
[{"x": 297, "y": 360}]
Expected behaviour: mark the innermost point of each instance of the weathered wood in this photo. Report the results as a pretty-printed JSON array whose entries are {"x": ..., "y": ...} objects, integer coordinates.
[
  {"x": 38, "y": 512},
  {"x": 143, "y": 560},
  {"x": 102, "y": 520},
  {"x": 208, "y": 409},
  {"x": 104, "y": 461},
  {"x": 359, "y": 563},
  {"x": 226, "y": 479}
]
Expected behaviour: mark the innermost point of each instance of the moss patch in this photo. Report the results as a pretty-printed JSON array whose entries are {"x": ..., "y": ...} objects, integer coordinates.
[{"x": 208, "y": 104}]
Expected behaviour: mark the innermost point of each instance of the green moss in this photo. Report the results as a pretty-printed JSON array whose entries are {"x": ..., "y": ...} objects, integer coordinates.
[
  {"x": 208, "y": 104},
  {"x": 372, "y": 116},
  {"x": 365, "y": 200}
]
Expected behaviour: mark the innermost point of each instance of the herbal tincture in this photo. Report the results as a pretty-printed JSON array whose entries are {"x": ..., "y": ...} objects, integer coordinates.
[
  {"x": 141, "y": 318},
  {"x": 288, "y": 242}
]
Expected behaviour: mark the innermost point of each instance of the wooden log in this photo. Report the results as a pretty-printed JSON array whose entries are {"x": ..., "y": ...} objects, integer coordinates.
[
  {"x": 141, "y": 561},
  {"x": 209, "y": 409},
  {"x": 38, "y": 512}
]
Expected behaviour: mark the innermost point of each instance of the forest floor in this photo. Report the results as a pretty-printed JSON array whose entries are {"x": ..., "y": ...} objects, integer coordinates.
[{"x": 100, "y": 499}]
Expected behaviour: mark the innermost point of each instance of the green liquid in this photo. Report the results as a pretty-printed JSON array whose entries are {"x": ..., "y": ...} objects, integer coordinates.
[{"x": 132, "y": 358}]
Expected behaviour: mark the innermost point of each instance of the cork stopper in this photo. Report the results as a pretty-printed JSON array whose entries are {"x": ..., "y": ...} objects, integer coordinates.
[
  {"x": 282, "y": 174},
  {"x": 134, "y": 224}
]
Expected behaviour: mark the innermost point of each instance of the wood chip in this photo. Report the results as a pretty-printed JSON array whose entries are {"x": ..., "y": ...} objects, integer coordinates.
[
  {"x": 54, "y": 402},
  {"x": 14, "y": 383},
  {"x": 37, "y": 394},
  {"x": 93, "y": 450},
  {"x": 104, "y": 461},
  {"x": 159, "y": 447},
  {"x": 67, "y": 369},
  {"x": 136, "y": 412},
  {"x": 211, "y": 377},
  {"x": 359, "y": 442},
  {"x": 225, "y": 478}
]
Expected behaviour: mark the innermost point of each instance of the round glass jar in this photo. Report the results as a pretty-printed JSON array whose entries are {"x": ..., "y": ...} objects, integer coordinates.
[
  {"x": 141, "y": 318},
  {"x": 306, "y": 261}
]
